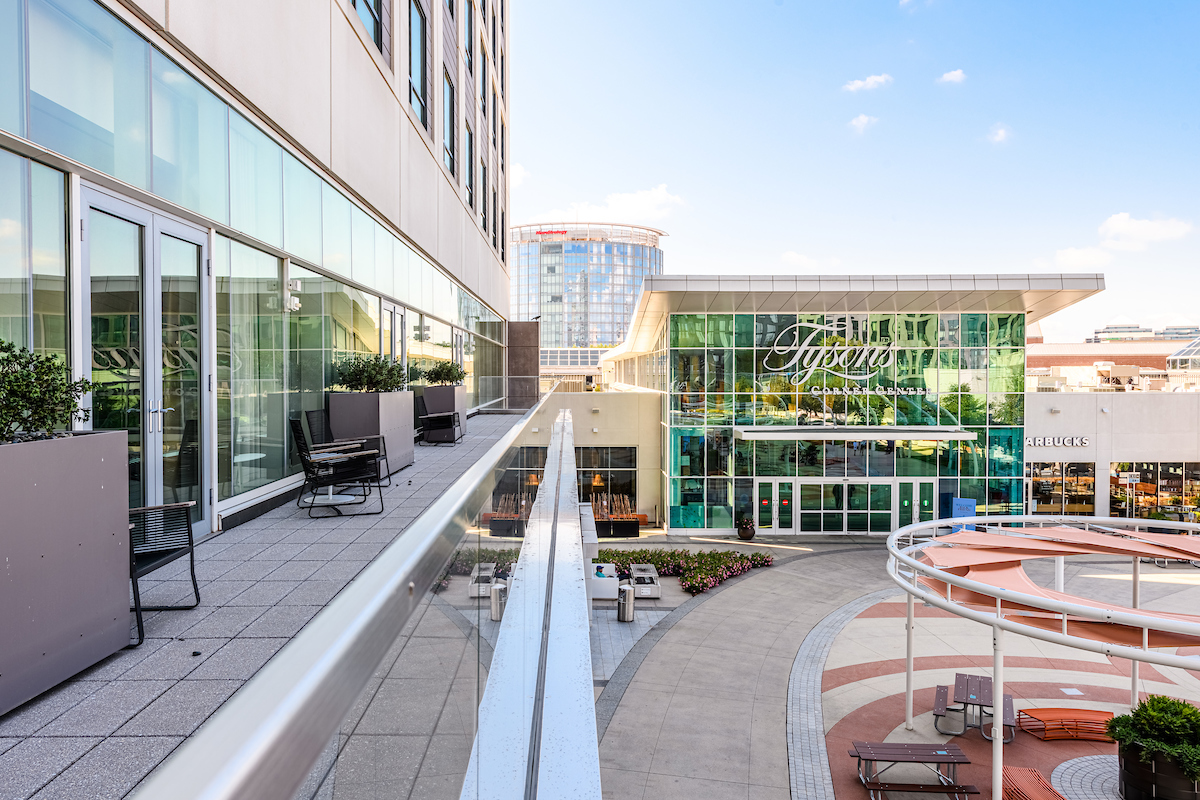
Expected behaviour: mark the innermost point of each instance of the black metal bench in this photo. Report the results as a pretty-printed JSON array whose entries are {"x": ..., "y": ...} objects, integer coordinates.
[
  {"x": 159, "y": 535},
  {"x": 441, "y": 428}
]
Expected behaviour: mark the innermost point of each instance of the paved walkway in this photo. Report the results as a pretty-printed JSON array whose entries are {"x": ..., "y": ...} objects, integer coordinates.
[
  {"x": 704, "y": 715},
  {"x": 99, "y": 734}
]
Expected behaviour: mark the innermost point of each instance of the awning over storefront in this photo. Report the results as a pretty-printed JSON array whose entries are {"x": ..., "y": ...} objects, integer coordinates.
[{"x": 837, "y": 433}]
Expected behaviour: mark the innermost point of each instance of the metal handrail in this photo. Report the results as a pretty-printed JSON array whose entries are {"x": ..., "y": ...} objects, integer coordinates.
[
  {"x": 264, "y": 742},
  {"x": 900, "y": 556}
]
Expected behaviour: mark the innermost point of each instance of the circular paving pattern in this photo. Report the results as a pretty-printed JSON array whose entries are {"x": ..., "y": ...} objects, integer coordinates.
[{"x": 1087, "y": 778}]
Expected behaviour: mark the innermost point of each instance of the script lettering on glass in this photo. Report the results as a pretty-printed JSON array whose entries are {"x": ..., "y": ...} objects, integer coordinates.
[{"x": 801, "y": 358}]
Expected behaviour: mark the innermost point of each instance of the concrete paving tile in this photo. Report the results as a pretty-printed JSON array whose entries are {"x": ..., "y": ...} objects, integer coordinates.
[
  {"x": 405, "y": 707},
  {"x": 280, "y": 621},
  {"x": 254, "y": 570},
  {"x": 438, "y": 787},
  {"x": 168, "y": 593},
  {"x": 620, "y": 784},
  {"x": 309, "y": 534},
  {"x": 167, "y": 624},
  {"x": 264, "y": 593},
  {"x": 106, "y": 709},
  {"x": 363, "y": 551},
  {"x": 239, "y": 552},
  {"x": 181, "y": 709},
  {"x": 174, "y": 660},
  {"x": 319, "y": 552},
  {"x": 313, "y": 593},
  {"x": 629, "y": 742},
  {"x": 768, "y": 743},
  {"x": 210, "y": 569},
  {"x": 758, "y": 792},
  {"x": 339, "y": 571},
  {"x": 225, "y": 622},
  {"x": 293, "y": 571},
  {"x": 341, "y": 536},
  {"x": 111, "y": 768},
  {"x": 35, "y": 762},
  {"x": 383, "y": 534},
  {"x": 122, "y": 661},
  {"x": 220, "y": 591},
  {"x": 239, "y": 659},
  {"x": 8, "y": 744},
  {"x": 675, "y": 787},
  {"x": 700, "y": 748},
  {"x": 447, "y": 755},
  {"x": 39, "y": 712}
]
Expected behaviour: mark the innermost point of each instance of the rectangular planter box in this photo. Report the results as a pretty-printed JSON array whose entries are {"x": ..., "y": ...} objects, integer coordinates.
[
  {"x": 441, "y": 399},
  {"x": 507, "y": 527},
  {"x": 386, "y": 414},
  {"x": 64, "y": 560}
]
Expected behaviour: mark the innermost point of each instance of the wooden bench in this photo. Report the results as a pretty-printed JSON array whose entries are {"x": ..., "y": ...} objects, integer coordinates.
[
  {"x": 1010, "y": 721},
  {"x": 941, "y": 703},
  {"x": 1021, "y": 783},
  {"x": 1065, "y": 723},
  {"x": 874, "y": 787}
]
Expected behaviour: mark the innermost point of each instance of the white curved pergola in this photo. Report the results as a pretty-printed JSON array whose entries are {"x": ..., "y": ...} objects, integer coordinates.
[{"x": 977, "y": 574}]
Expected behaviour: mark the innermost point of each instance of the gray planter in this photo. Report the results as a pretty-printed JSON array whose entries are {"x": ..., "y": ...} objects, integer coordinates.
[
  {"x": 441, "y": 399},
  {"x": 64, "y": 560},
  {"x": 386, "y": 414}
]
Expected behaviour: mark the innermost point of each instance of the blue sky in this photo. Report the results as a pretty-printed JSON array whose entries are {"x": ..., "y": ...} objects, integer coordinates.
[{"x": 875, "y": 136}]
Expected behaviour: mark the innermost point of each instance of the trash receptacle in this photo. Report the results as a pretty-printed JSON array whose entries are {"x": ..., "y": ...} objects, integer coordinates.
[
  {"x": 499, "y": 598},
  {"x": 625, "y": 604}
]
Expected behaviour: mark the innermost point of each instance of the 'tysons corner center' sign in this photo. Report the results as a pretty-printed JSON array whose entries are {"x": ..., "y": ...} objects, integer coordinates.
[{"x": 800, "y": 359}]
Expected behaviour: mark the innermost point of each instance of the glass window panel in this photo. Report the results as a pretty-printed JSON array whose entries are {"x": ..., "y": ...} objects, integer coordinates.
[
  {"x": 974, "y": 489},
  {"x": 947, "y": 491},
  {"x": 832, "y": 523},
  {"x": 1045, "y": 487},
  {"x": 383, "y": 261},
  {"x": 687, "y": 452},
  {"x": 916, "y": 459},
  {"x": 743, "y": 409},
  {"x": 301, "y": 211},
  {"x": 743, "y": 491},
  {"x": 881, "y": 497},
  {"x": 103, "y": 121},
  {"x": 401, "y": 289},
  {"x": 974, "y": 330},
  {"x": 832, "y": 496},
  {"x": 857, "y": 497},
  {"x": 743, "y": 457},
  {"x": 1006, "y": 370},
  {"x": 768, "y": 327},
  {"x": 255, "y": 182},
  {"x": 49, "y": 261},
  {"x": 917, "y": 369},
  {"x": 720, "y": 503},
  {"x": 972, "y": 374},
  {"x": 810, "y": 459},
  {"x": 687, "y": 409},
  {"x": 14, "y": 249},
  {"x": 191, "y": 141},
  {"x": 973, "y": 409},
  {"x": 881, "y": 460},
  {"x": 1006, "y": 409},
  {"x": 743, "y": 330},
  {"x": 687, "y": 370},
  {"x": 745, "y": 379},
  {"x": 1170, "y": 489},
  {"x": 856, "y": 458},
  {"x": 12, "y": 66},
  {"x": 948, "y": 332},
  {"x": 810, "y": 523},
  {"x": 719, "y": 408},
  {"x": 720, "y": 330},
  {"x": 881, "y": 523},
  {"x": 917, "y": 330},
  {"x": 687, "y": 502},
  {"x": 687, "y": 330},
  {"x": 366, "y": 321},
  {"x": 835, "y": 459},
  {"x": 1004, "y": 497},
  {"x": 719, "y": 372},
  {"x": 719, "y": 455},
  {"x": 362, "y": 248},
  {"x": 972, "y": 455},
  {"x": 1006, "y": 452},
  {"x": 948, "y": 371},
  {"x": 622, "y": 457},
  {"x": 883, "y": 329},
  {"x": 810, "y": 497},
  {"x": 335, "y": 230},
  {"x": 1006, "y": 330},
  {"x": 774, "y": 459}
]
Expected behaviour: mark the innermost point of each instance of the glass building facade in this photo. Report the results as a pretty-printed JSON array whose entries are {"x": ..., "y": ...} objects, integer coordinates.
[
  {"x": 761, "y": 413},
  {"x": 582, "y": 280},
  {"x": 217, "y": 292}
]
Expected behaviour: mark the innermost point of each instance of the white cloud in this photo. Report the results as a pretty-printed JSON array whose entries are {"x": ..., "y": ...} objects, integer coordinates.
[
  {"x": 799, "y": 260},
  {"x": 1076, "y": 257},
  {"x": 870, "y": 82},
  {"x": 862, "y": 122},
  {"x": 1000, "y": 133},
  {"x": 1123, "y": 232},
  {"x": 636, "y": 208},
  {"x": 953, "y": 76},
  {"x": 516, "y": 175}
]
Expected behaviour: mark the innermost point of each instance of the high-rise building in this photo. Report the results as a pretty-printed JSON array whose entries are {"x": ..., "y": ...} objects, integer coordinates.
[
  {"x": 203, "y": 211},
  {"x": 583, "y": 280}
]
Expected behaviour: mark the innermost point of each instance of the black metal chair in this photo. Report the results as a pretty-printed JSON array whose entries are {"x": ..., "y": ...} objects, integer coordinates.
[
  {"x": 441, "y": 428},
  {"x": 159, "y": 535},
  {"x": 322, "y": 435},
  {"x": 350, "y": 469}
]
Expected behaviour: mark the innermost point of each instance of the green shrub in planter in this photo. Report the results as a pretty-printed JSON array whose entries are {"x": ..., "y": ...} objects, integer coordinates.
[
  {"x": 1162, "y": 726},
  {"x": 37, "y": 394},
  {"x": 371, "y": 374},
  {"x": 444, "y": 373}
]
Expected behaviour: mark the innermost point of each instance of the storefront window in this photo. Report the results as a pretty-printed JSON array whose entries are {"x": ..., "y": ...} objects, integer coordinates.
[
  {"x": 687, "y": 451},
  {"x": 687, "y": 330},
  {"x": 720, "y": 503},
  {"x": 12, "y": 67},
  {"x": 687, "y": 503},
  {"x": 768, "y": 327},
  {"x": 302, "y": 210},
  {"x": 720, "y": 330},
  {"x": 255, "y": 182},
  {"x": 775, "y": 458}
]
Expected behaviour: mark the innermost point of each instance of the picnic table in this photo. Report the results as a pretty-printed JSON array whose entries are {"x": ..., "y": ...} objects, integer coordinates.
[
  {"x": 973, "y": 696},
  {"x": 941, "y": 759}
]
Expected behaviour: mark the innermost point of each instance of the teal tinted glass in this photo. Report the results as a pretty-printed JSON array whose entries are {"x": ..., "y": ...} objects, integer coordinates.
[
  {"x": 301, "y": 210},
  {"x": 1006, "y": 370},
  {"x": 917, "y": 330},
  {"x": 191, "y": 141},
  {"x": 255, "y": 182},
  {"x": 743, "y": 330},
  {"x": 1006, "y": 452},
  {"x": 687, "y": 503},
  {"x": 718, "y": 443},
  {"x": 1004, "y": 497},
  {"x": 720, "y": 503},
  {"x": 687, "y": 370},
  {"x": 768, "y": 328},
  {"x": 12, "y": 67},
  {"x": 720, "y": 330},
  {"x": 687, "y": 330},
  {"x": 1006, "y": 330},
  {"x": 687, "y": 452},
  {"x": 883, "y": 328},
  {"x": 972, "y": 455},
  {"x": 774, "y": 459},
  {"x": 1006, "y": 409},
  {"x": 743, "y": 457},
  {"x": 106, "y": 126},
  {"x": 974, "y": 330}
]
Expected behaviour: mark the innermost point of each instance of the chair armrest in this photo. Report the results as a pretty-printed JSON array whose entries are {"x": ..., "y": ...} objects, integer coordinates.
[
  {"x": 325, "y": 457},
  {"x": 187, "y": 504},
  {"x": 439, "y": 414},
  {"x": 349, "y": 441}
]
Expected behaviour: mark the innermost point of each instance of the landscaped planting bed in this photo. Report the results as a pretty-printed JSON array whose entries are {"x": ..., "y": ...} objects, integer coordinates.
[{"x": 697, "y": 571}]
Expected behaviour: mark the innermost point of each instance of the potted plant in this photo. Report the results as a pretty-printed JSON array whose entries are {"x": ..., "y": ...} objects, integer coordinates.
[
  {"x": 375, "y": 403},
  {"x": 64, "y": 539},
  {"x": 446, "y": 392},
  {"x": 1159, "y": 748},
  {"x": 745, "y": 528}
]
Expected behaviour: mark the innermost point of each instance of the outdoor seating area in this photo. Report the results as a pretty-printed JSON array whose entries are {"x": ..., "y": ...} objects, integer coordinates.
[
  {"x": 941, "y": 759},
  {"x": 1065, "y": 723},
  {"x": 337, "y": 475},
  {"x": 973, "y": 696},
  {"x": 159, "y": 535}
]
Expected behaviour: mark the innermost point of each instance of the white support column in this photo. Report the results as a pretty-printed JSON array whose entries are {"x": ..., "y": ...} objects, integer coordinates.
[
  {"x": 1060, "y": 565},
  {"x": 1137, "y": 599},
  {"x": 908, "y": 667},
  {"x": 997, "y": 712}
]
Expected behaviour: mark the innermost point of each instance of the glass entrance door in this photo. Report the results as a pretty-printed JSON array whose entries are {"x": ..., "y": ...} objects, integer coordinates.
[
  {"x": 145, "y": 304},
  {"x": 915, "y": 502},
  {"x": 774, "y": 506}
]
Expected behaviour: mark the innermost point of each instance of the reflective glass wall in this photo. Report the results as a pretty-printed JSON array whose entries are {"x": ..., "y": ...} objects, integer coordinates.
[{"x": 1166, "y": 490}]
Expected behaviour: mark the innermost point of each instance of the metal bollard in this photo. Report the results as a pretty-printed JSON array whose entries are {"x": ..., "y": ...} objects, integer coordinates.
[
  {"x": 499, "y": 597},
  {"x": 625, "y": 604}
]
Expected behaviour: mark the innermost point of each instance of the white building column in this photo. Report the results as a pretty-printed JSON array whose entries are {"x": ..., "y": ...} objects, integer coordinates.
[
  {"x": 908, "y": 667},
  {"x": 997, "y": 712}
]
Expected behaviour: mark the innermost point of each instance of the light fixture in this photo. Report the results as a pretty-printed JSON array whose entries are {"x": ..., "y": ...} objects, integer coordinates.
[
  {"x": 595, "y": 411},
  {"x": 1056, "y": 411},
  {"x": 597, "y": 481},
  {"x": 1103, "y": 410},
  {"x": 595, "y": 430}
]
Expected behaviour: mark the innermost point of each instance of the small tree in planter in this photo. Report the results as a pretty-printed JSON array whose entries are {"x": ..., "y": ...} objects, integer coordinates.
[
  {"x": 445, "y": 373},
  {"x": 37, "y": 395},
  {"x": 1159, "y": 746},
  {"x": 446, "y": 394},
  {"x": 374, "y": 405}
]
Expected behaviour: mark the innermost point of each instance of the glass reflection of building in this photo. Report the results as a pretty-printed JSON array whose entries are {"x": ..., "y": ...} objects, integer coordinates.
[
  {"x": 582, "y": 279},
  {"x": 216, "y": 294}
]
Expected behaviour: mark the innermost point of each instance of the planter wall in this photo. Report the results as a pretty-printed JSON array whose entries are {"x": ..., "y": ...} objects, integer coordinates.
[
  {"x": 386, "y": 414},
  {"x": 64, "y": 560},
  {"x": 441, "y": 399},
  {"x": 1158, "y": 779}
]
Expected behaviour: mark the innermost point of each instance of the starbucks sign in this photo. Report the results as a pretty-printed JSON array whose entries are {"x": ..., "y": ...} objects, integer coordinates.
[{"x": 800, "y": 358}]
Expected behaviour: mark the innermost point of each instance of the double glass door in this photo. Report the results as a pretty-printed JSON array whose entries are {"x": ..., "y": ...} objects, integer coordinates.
[
  {"x": 790, "y": 505},
  {"x": 144, "y": 300}
]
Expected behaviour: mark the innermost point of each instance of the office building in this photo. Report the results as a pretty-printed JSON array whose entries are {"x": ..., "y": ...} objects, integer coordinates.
[{"x": 204, "y": 209}]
